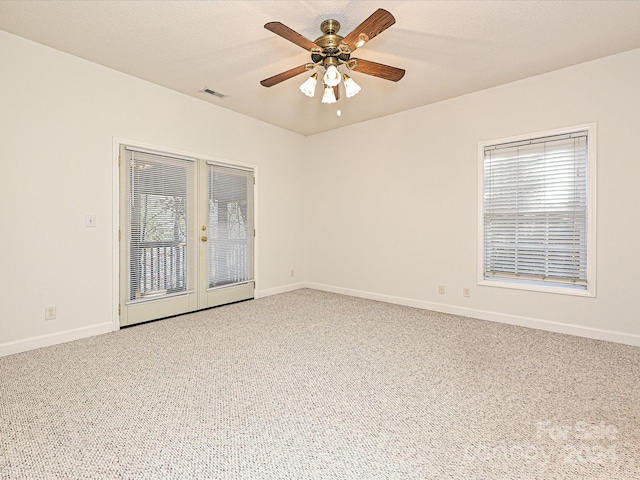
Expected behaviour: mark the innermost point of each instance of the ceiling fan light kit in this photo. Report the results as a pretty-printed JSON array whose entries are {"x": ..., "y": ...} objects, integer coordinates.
[
  {"x": 331, "y": 76},
  {"x": 332, "y": 51},
  {"x": 309, "y": 85},
  {"x": 350, "y": 86},
  {"x": 329, "y": 95},
  {"x": 362, "y": 39}
]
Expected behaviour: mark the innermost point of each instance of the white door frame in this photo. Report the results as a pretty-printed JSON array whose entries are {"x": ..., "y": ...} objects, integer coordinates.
[{"x": 115, "y": 178}]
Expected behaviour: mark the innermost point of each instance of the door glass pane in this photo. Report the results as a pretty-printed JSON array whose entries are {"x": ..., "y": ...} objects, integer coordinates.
[
  {"x": 230, "y": 226},
  {"x": 158, "y": 205}
]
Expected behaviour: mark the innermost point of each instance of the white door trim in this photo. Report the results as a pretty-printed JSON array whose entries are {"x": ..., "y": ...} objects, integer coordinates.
[{"x": 115, "y": 178}]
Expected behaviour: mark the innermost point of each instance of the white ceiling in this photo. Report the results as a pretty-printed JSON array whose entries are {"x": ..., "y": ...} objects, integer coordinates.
[{"x": 448, "y": 48}]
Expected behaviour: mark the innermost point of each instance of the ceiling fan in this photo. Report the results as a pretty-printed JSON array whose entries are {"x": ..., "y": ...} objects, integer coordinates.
[{"x": 331, "y": 51}]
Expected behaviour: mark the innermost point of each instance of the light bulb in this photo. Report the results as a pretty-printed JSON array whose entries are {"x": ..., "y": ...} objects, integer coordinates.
[
  {"x": 362, "y": 39},
  {"x": 309, "y": 85},
  {"x": 331, "y": 76},
  {"x": 329, "y": 96},
  {"x": 350, "y": 86}
]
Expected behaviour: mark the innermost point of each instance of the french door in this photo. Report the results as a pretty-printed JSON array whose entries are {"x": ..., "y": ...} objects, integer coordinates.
[{"x": 186, "y": 234}]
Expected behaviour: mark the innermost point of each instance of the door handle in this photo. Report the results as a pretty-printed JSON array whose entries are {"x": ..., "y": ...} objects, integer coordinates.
[{"x": 204, "y": 238}]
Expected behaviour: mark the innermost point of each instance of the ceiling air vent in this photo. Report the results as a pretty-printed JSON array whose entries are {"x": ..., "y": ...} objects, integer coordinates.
[{"x": 214, "y": 93}]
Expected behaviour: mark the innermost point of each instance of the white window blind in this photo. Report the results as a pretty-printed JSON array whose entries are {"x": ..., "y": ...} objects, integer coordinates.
[
  {"x": 159, "y": 195},
  {"x": 230, "y": 256},
  {"x": 536, "y": 210}
]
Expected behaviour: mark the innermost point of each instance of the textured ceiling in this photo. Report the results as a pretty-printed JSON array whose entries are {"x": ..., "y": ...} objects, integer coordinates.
[{"x": 448, "y": 48}]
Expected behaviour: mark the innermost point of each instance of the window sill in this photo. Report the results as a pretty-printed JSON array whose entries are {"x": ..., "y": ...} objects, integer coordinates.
[{"x": 533, "y": 286}]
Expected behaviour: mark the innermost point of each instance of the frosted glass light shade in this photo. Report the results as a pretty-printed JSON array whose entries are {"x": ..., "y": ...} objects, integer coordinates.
[
  {"x": 329, "y": 96},
  {"x": 350, "y": 86},
  {"x": 362, "y": 39},
  {"x": 309, "y": 85},
  {"x": 331, "y": 76}
]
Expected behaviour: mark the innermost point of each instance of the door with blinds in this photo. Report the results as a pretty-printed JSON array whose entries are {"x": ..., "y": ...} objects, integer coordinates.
[{"x": 186, "y": 234}]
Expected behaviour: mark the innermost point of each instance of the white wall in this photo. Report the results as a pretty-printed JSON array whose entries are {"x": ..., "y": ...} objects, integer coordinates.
[
  {"x": 390, "y": 214},
  {"x": 394, "y": 208},
  {"x": 58, "y": 118}
]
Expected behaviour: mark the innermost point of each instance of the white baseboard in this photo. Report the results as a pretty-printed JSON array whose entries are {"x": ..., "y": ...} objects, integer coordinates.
[
  {"x": 536, "y": 323},
  {"x": 275, "y": 291},
  {"x": 32, "y": 343},
  {"x": 598, "y": 334},
  {"x": 54, "y": 338}
]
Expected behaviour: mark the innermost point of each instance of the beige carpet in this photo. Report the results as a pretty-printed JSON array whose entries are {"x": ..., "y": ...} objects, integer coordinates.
[{"x": 312, "y": 385}]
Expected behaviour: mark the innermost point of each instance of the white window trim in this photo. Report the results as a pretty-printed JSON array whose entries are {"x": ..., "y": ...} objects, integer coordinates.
[{"x": 590, "y": 291}]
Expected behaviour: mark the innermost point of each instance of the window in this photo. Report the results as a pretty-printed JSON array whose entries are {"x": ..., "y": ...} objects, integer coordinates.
[
  {"x": 538, "y": 212},
  {"x": 228, "y": 251},
  {"x": 158, "y": 201}
]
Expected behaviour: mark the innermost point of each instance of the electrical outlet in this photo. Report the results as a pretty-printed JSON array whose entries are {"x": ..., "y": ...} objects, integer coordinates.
[
  {"x": 292, "y": 273},
  {"x": 466, "y": 292},
  {"x": 441, "y": 289},
  {"x": 50, "y": 313}
]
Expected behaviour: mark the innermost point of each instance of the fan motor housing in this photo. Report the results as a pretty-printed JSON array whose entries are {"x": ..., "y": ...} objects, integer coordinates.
[{"x": 330, "y": 43}]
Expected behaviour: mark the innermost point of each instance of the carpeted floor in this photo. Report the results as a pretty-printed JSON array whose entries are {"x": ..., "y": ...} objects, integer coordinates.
[{"x": 313, "y": 385}]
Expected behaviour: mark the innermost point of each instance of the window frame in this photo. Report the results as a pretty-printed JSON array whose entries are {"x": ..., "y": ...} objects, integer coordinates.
[{"x": 541, "y": 285}]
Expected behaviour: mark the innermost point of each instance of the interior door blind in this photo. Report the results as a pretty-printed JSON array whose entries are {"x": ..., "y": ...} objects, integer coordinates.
[
  {"x": 159, "y": 195},
  {"x": 535, "y": 209},
  {"x": 230, "y": 248}
]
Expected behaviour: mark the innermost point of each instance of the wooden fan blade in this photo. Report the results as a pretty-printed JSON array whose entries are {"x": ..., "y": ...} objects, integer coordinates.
[
  {"x": 336, "y": 92},
  {"x": 378, "y": 22},
  {"x": 377, "y": 69},
  {"x": 291, "y": 35},
  {"x": 281, "y": 77}
]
